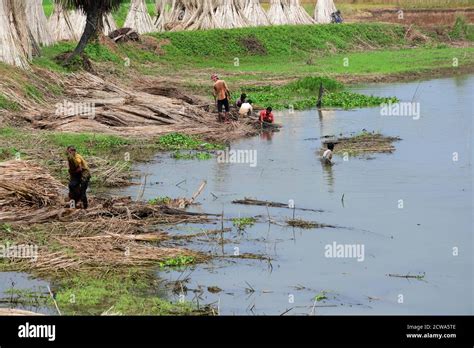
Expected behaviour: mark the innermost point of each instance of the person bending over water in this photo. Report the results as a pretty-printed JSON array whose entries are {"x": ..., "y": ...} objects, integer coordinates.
[
  {"x": 266, "y": 116},
  {"x": 246, "y": 109}
]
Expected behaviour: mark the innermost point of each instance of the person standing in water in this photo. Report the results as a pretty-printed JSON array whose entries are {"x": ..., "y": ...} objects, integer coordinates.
[
  {"x": 222, "y": 96},
  {"x": 327, "y": 155}
]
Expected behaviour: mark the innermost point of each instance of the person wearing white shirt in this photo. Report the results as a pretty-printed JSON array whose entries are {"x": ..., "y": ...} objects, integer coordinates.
[{"x": 246, "y": 109}]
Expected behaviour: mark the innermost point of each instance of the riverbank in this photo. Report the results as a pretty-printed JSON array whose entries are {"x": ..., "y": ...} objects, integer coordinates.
[{"x": 273, "y": 64}]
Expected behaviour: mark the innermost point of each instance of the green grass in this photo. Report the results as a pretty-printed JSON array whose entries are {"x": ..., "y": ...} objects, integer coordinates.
[
  {"x": 6, "y": 104},
  {"x": 9, "y": 132},
  {"x": 278, "y": 40},
  {"x": 48, "y": 7},
  {"x": 130, "y": 291},
  {"x": 125, "y": 294},
  {"x": 301, "y": 50},
  {"x": 32, "y": 92},
  {"x": 7, "y": 153},
  {"x": 462, "y": 30},
  {"x": 94, "y": 51},
  {"x": 88, "y": 144}
]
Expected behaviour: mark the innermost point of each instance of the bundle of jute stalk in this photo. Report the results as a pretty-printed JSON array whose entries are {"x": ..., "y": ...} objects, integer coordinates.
[
  {"x": 229, "y": 16},
  {"x": 277, "y": 14},
  {"x": 62, "y": 25},
  {"x": 26, "y": 184},
  {"x": 254, "y": 13},
  {"x": 38, "y": 23},
  {"x": 138, "y": 18},
  {"x": 16, "y": 42},
  {"x": 297, "y": 14}
]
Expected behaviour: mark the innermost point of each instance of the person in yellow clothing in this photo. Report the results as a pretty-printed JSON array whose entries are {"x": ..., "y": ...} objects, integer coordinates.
[{"x": 80, "y": 176}]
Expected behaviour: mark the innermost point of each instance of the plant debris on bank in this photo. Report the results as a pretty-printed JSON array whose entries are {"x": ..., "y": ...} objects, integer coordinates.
[{"x": 362, "y": 143}]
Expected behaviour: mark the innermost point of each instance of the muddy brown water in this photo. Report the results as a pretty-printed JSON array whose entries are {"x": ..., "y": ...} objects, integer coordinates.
[{"x": 418, "y": 238}]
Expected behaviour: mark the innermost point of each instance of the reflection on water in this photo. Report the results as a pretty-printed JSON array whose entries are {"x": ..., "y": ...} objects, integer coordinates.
[
  {"x": 265, "y": 135},
  {"x": 328, "y": 175}
]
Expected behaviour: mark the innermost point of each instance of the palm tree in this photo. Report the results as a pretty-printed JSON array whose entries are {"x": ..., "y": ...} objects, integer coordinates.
[{"x": 95, "y": 11}]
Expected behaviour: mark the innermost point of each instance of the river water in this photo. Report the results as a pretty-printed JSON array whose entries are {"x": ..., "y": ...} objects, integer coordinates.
[{"x": 411, "y": 211}]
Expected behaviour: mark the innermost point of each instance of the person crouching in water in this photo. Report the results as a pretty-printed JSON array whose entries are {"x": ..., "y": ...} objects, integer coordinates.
[
  {"x": 327, "y": 155},
  {"x": 79, "y": 177},
  {"x": 246, "y": 109},
  {"x": 222, "y": 95},
  {"x": 266, "y": 116}
]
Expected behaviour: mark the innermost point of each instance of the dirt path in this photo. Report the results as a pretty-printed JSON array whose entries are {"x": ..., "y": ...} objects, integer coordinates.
[{"x": 420, "y": 17}]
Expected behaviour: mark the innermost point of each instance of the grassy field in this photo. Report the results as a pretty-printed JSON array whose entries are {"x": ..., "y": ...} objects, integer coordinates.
[
  {"x": 265, "y": 56},
  {"x": 283, "y": 51}
]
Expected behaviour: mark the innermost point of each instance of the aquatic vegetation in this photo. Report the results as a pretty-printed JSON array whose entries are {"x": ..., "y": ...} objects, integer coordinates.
[
  {"x": 302, "y": 94},
  {"x": 420, "y": 276},
  {"x": 363, "y": 143},
  {"x": 321, "y": 296},
  {"x": 349, "y": 100},
  {"x": 243, "y": 223},
  {"x": 178, "y": 261},
  {"x": 178, "y": 141},
  {"x": 214, "y": 289},
  {"x": 202, "y": 156},
  {"x": 304, "y": 224},
  {"x": 160, "y": 200}
]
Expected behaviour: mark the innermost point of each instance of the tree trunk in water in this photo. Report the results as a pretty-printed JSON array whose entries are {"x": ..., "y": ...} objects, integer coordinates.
[{"x": 91, "y": 31}]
